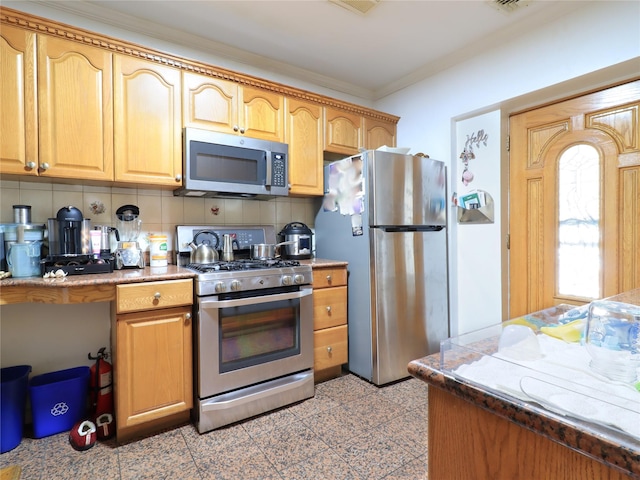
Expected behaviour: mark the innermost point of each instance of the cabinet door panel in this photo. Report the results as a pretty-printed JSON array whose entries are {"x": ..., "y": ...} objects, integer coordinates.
[
  {"x": 209, "y": 103},
  {"x": 304, "y": 137},
  {"x": 343, "y": 132},
  {"x": 262, "y": 114},
  {"x": 329, "y": 277},
  {"x": 329, "y": 307},
  {"x": 148, "y": 146},
  {"x": 75, "y": 110},
  {"x": 379, "y": 133},
  {"x": 330, "y": 347},
  {"x": 18, "y": 115},
  {"x": 154, "y": 374}
]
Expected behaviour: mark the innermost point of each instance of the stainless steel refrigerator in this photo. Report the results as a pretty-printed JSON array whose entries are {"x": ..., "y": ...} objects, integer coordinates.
[{"x": 385, "y": 214}]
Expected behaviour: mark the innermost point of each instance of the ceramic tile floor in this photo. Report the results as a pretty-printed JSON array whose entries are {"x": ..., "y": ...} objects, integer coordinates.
[{"x": 351, "y": 429}]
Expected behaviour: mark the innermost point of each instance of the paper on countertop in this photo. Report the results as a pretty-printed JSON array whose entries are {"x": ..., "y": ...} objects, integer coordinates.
[{"x": 561, "y": 381}]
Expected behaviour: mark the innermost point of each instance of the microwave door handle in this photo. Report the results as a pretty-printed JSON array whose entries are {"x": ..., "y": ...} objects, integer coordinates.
[
  {"x": 269, "y": 179},
  {"x": 254, "y": 300}
]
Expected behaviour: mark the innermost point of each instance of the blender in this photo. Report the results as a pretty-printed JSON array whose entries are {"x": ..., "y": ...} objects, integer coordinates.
[{"x": 128, "y": 223}]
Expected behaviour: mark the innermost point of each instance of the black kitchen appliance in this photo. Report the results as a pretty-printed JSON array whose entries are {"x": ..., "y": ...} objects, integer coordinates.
[
  {"x": 302, "y": 241},
  {"x": 69, "y": 220},
  {"x": 65, "y": 238}
]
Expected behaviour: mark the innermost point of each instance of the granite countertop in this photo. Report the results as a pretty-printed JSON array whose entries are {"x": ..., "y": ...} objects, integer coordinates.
[
  {"x": 323, "y": 262},
  {"x": 147, "y": 274},
  {"x": 606, "y": 445},
  {"x": 93, "y": 287}
]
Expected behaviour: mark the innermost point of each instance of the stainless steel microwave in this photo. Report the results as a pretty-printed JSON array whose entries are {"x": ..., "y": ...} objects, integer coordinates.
[{"x": 223, "y": 165}]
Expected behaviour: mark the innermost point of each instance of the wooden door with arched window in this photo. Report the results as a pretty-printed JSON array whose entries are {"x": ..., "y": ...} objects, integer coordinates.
[{"x": 574, "y": 200}]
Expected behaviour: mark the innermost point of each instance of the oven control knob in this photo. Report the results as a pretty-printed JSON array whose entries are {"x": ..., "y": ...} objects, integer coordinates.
[
  {"x": 236, "y": 285},
  {"x": 287, "y": 280},
  {"x": 220, "y": 287},
  {"x": 298, "y": 279}
]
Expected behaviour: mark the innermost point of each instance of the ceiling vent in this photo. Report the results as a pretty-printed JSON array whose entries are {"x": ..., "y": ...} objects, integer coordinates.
[
  {"x": 509, "y": 5},
  {"x": 360, "y": 7}
]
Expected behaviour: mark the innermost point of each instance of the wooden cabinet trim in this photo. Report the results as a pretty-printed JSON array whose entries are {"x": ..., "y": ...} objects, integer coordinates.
[{"x": 49, "y": 27}]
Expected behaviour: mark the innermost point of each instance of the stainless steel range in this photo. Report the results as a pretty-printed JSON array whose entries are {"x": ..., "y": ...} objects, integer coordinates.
[{"x": 253, "y": 329}]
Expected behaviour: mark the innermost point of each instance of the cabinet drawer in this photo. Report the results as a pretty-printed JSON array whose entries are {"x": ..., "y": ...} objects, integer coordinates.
[
  {"x": 329, "y": 277},
  {"x": 330, "y": 347},
  {"x": 135, "y": 297},
  {"x": 329, "y": 307}
]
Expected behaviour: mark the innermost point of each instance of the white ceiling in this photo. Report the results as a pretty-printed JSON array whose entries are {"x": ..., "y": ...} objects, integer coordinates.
[{"x": 397, "y": 43}]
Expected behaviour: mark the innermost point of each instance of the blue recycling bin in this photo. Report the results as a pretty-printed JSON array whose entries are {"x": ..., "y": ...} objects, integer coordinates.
[
  {"x": 13, "y": 399},
  {"x": 58, "y": 400}
]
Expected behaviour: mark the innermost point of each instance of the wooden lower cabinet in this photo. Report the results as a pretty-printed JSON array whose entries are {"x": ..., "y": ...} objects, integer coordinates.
[
  {"x": 153, "y": 380},
  {"x": 330, "y": 337}
]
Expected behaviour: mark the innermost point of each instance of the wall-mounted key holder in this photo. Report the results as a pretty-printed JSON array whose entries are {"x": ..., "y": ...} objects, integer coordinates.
[{"x": 476, "y": 207}]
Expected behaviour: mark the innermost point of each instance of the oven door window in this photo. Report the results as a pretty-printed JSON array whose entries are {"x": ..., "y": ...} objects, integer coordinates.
[
  {"x": 256, "y": 334},
  {"x": 223, "y": 163}
]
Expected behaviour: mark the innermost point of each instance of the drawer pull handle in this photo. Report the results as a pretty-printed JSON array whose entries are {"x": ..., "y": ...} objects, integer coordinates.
[
  {"x": 329, "y": 349},
  {"x": 329, "y": 278},
  {"x": 157, "y": 295},
  {"x": 329, "y": 309}
]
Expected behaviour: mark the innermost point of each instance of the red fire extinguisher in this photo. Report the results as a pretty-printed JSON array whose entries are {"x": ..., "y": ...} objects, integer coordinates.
[{"x": 101, "y": 383}]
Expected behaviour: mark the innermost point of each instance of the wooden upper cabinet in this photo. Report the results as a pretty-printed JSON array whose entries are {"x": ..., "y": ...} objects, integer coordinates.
[
  {"x": 75, "y": 116},
  {"x": 379, "y": 133},
  {"x": 227, "y": 107},
  {"x": 18, "y": 112},
  {"x": 262, "y": 114},
  {"x": 209, "y": 103},
  {"x": 147, "y": 134},
  {"x": 342, "y": 131},
  {"x": 304, "y": 129}
]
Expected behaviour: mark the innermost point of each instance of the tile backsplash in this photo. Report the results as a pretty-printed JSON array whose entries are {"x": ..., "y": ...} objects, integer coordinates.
[{"x": 160, "y": 211}]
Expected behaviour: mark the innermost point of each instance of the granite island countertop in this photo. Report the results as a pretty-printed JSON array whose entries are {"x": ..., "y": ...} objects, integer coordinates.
[{"x": 609, "y": 446}]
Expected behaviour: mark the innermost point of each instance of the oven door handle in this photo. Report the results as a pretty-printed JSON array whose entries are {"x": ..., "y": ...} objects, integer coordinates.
[{"x": 253, "y": 300}]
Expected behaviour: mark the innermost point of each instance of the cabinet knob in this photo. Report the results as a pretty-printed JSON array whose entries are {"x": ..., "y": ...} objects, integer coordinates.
[
  {"x": 31, "y": 165},
  {"x": 187, "y": 316},
  {"x": 236, "y": 128},
  {"x": 242, "y": 130},
  {"x": 329, "y": 349},
  {"x": 44, "y": 166},
  {"x": 157, "y": 295},
  {"x": 329, "y": 309},
  {"x": 178, "y": 178},
  {"x": 328, "y": 278}
]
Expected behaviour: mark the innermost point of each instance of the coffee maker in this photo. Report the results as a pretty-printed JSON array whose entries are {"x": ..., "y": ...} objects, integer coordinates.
[
  {"x": 69, "y": 221},
  {"x": 128, "y": 223},
  {"x": 69, "y": 246}
]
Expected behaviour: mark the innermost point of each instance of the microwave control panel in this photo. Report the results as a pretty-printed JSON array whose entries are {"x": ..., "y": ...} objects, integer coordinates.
[{"x": 279, "y": 170}]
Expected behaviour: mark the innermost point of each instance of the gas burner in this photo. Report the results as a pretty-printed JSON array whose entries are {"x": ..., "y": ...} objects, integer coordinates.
[{"x": 242, "y": 265}]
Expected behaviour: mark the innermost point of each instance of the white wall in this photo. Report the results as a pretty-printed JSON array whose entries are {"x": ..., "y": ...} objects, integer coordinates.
[
  {"x": 476, "y": 279},
  {"x": 596, "y": 45}
]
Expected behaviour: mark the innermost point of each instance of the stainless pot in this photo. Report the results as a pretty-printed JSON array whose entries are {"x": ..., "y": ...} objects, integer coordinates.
[
  {"x": 266, "y": 251},
  {"x": 204, "y": 252}
]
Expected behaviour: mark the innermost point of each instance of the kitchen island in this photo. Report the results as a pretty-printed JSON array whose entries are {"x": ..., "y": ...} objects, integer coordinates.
[{"x": 476, "y": 432}]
